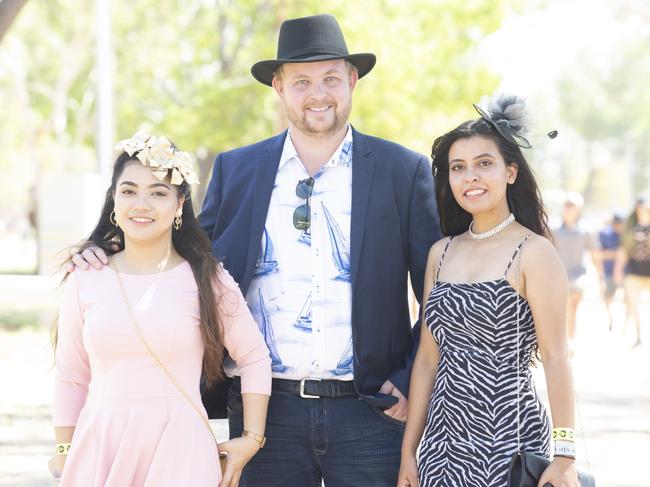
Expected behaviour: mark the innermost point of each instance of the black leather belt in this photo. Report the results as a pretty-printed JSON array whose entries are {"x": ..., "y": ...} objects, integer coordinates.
[{"x": 309, "y": 388}]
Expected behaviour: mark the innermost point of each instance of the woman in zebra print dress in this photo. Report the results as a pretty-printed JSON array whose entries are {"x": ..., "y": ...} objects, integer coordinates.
[{"x": 495, "y": 296}]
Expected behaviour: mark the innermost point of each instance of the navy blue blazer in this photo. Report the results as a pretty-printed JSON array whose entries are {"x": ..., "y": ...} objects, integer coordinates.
[{"x": 393, "y": 224}]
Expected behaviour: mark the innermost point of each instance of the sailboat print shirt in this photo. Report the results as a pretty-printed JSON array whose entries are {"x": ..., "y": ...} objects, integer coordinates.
[{"x": 301, "y": 295}]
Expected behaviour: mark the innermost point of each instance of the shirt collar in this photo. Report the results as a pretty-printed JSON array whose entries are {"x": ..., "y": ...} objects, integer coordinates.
[{"x": 342, "y": 154}]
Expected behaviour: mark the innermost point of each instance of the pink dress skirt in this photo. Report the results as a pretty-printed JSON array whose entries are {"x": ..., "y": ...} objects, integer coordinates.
[{"x": 132, "y": 425}]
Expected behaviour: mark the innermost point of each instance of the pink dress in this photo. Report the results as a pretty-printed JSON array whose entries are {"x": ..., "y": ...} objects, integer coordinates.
[{"x": 133, "y": 426}]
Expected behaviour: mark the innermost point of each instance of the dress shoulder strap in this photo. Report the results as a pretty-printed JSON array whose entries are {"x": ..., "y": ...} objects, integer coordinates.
[
  {"x": 442, "y": 256},
  {"x": 514, "y": 255}
]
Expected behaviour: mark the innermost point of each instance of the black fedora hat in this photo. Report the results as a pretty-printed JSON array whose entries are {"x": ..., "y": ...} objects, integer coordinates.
[{"x": 311, "y": 39}]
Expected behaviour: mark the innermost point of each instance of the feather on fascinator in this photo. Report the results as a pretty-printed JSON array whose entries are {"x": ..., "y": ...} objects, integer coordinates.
[{"x": 508, "y": 115}]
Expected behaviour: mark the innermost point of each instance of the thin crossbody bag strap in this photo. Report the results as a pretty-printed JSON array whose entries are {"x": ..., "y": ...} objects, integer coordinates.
[
  {"x": 155, "y": 357},
  {"x": 518, "y": 297}
]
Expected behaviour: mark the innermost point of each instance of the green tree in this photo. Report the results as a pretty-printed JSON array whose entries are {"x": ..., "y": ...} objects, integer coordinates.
[
  {"x": 46, "y": 63},
  {"x": 608, "y": 106},
  {"x": 9, "y": 9},
  {"x": 197, "y": 86},
  {"x": 183, "y": 69}
]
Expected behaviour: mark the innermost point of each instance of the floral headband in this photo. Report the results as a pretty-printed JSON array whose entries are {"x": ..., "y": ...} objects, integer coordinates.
[{"x": 159, "y": 154}]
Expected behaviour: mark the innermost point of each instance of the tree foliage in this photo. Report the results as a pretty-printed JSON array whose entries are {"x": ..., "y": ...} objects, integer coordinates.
[
  {"x": 46, "y": 63},
  {"x": 9, "y": 9},
  {"x": 604, "y": 99},
  {"x": 182, "y": 67}
]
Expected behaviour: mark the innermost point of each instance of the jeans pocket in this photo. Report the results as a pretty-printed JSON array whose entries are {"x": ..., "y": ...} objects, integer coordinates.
[{"x": 386, "y": 417}]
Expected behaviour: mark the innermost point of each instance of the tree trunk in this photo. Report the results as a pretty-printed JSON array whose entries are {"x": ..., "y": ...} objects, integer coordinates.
[{"x": 8, "y": 11}]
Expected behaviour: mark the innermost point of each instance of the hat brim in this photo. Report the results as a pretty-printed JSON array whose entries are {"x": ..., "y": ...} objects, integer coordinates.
[{"x": 263, "y": 70}]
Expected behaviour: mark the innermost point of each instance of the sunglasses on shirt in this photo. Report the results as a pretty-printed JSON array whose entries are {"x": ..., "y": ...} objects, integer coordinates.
[{"x": 302, "y": 214}]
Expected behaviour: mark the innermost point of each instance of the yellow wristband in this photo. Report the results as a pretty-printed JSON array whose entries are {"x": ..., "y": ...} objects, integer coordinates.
[
  {"x": 62, "y": 448},
  {"x": 563, "y": 434}
]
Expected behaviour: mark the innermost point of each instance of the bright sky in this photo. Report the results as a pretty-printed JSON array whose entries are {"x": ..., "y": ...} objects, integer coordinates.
[{"x": 531, "y": 50}]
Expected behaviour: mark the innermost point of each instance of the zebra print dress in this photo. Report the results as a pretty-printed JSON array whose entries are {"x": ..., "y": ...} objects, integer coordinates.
[{"x": 471, "y": 426}]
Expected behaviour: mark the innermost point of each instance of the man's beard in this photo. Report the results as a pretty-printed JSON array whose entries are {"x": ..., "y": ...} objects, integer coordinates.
[{"x": 303, "y": 125}]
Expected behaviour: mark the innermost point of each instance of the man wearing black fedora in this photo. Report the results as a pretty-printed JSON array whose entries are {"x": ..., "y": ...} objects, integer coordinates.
[{"x": 322, "y": 226}]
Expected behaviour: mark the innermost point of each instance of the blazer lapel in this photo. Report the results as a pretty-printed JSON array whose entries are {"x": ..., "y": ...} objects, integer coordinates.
[
  {"x": 363, "y": 168},
  {"x": 267, "y": 167}
]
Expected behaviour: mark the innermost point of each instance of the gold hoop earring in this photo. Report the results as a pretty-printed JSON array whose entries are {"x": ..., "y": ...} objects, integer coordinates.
[
  {"x": 111, "y": 217},
  {"x": 178, "y": 222}
]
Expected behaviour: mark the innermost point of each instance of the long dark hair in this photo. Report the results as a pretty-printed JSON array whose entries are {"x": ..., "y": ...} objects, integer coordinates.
[
  {"x": 524, "y": 197},
  {"x": 191, "y": 243}
]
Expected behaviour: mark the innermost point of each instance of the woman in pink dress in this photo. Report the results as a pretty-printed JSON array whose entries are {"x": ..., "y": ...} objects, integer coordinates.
[{"x": 137, "y": 338}]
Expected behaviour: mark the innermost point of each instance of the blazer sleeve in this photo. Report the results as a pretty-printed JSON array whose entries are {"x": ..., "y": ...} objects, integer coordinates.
[
  {"x": 212, "y": 200},
  {"x": 242, "y": 338},
  {"x": 72, "y": 368},
  {"x": 423, "y": 232}
]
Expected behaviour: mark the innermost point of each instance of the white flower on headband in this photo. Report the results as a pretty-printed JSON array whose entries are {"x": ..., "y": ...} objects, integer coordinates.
[
  {"x": 161, "y": 151},
  {"x": 159, "y": 154},
  {"x": 183, "y": 168}
]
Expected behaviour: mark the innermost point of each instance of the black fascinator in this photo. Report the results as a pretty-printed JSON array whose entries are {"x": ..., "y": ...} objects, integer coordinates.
[{"x": 508, "y": 115}]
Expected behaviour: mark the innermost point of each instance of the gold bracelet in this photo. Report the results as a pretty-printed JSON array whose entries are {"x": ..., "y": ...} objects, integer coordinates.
[
  {"x": 62, "y": 448},
  {"x": 563, "y": 434},
  {"x": 256, "y": 437}
]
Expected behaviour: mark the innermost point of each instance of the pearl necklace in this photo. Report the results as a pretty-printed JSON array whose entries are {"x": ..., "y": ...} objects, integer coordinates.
[{"x": 492, "y": 231}]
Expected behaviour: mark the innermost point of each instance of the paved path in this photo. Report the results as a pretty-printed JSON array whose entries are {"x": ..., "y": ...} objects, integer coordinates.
[{"x": 613, "y": 382}]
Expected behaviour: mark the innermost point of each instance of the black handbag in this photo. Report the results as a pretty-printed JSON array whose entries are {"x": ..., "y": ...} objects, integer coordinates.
[{"x": 526, "y": 469}]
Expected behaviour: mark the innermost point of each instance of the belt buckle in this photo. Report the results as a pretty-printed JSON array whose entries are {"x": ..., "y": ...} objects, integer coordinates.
[{"x": 302, "y": 388}]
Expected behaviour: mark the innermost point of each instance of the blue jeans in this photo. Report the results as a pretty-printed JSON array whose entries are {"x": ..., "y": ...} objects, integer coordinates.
[{"x": 342, "y": 441}]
